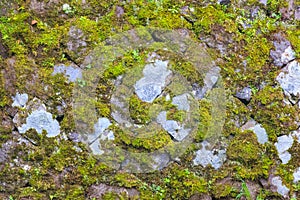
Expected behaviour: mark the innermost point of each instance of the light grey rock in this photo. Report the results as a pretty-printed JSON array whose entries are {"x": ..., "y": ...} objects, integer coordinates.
[
  {"x": 211, "y": 78},
  {"x": 296, "y": 175},
  {"x": 296, "y": 134},
  {"x": 71, "y": 72},
  {"x": 172, "y": 127},
  {"x": 283, "y": 144},
  {"x": 77, "y": 40},
  {"x": 289, "y": 78},
  {"x": 244, "y": 94},
  {"x": 41, "y": 120},
  {"x": 100, "y": 133},
  {"x": 182, "y": 102},
  {"x": 259, "y": 131},
  {"x": 264, "y": 2},
  {"x": 20, "y": 100},
  {"x": 281, "y": 189},
  {"x": 206, "y": 157},
  {"x": 151, "y": 85},
  {"x": 297, "y": 13},
  {"x": 285, "y": 157},
  {"x": 283, "y": 52}
]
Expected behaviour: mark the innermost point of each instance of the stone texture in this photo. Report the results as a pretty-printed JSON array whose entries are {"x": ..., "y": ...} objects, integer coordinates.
[
  {"x": 281, "y": 189},
  {"x": 283, "y": 52},
  {"x": 289, "y": 78},
  {"x": 211, "y": 78},
  {"x": 182, "y": 102},
  {"x": 71, "y": 72},
  {"x": 151, "y": 85},
  {"x": 259, "y": 131},
  {"x": 172, "y": 127},
  {"x": 20, "y": 100},
  {"x": 296, "y": 175},
  {"x": 244, "y": 94},
  {"x": 205, "y": 157},
  {"x": 283, "y": 144},
  {"x": 100, "y": 133},
  {"x": 41, "y": 120}
]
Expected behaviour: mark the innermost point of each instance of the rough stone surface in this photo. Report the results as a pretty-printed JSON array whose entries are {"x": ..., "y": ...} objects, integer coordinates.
[
  {"x": 211, "y": 78},
  {"x": 297, "y": 13},
  {"x": 71, "y": 72},
  {"x": 289, "y": 78},
  {"x": 100, "y": 133},
  {"x": 296, "y": 175},
  {"x": 283, "y": 52},
  {"x": 77, "y": 43},
  {"x": 151, "y": 85},
  {"x": 20, "y": 100},
  {"x": 41, "y": 120},
  {"x": 281, "y": 189},
  {"x": 206, "y": 157},
  {"x": 260, "y": 132},
  {"x": 97, "y": 191},
  {"x": 282, "y": 145},
  {"x": 172, "y": 127},
  {"x": 244, "y": 94},
  {"x": 182, "y": 102}
]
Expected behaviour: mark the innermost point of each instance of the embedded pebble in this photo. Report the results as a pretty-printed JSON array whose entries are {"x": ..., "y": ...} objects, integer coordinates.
[
  {"x": 289, "y": 78},
  {"x": 281, "y": 189},
  {"x": 211, "y": 78},
  {"x": 259, "y": 131},
  {"x": 20, "y": 100},
  {"x": 71, "y": 72},
  {"x": 283, "y": 52},
  {"x": 206, "y": 157},
  {"x": 100, "y": 133},
  {"x": 41, "y": 120},
  {"x": 283, "y": 144},
  {"x": 244, "y": 94},
  {"x": 172, "y": 127},
  {"x": 181, "y": 101},
  {"x": 296, "y": 175},
  {"x": 151, "y": 85}
]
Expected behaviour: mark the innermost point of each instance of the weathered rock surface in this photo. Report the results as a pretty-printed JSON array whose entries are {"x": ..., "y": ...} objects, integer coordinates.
[
  {"x": 283, "y": 52},
  {"x": 289, "y": 78},
  {"x": 260, "y": 132},
  {"x": 214, "y": 157},
  {"x": 154, "y": 80}
]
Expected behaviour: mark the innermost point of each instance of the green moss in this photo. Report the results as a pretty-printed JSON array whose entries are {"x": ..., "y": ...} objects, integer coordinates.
[
  {"x": 244, "y": 148},
  {"x": 223, "y": 190},
  {"x": 139, "y": 111}
]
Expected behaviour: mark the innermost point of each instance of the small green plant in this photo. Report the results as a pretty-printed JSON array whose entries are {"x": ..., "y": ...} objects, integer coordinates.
[{"x": 244, "y": 192}]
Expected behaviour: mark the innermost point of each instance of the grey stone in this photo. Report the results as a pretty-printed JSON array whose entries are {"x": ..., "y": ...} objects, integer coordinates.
[
  {"x": 297, "y": 13},
  {"x": 296, "y": 175},
  {"x": 172, "y": 127},
  {"x": 206, "y": 157},
  {"x": 119, "y": 11},
  {"x": 211, "y": 78},
  {"x": 99, "y": 134},
  {"x": 151, "y": 85},
  {"x": 289, "y": 78},
  {"x": 259, "y": 131},
  {"x": 264, "y": 2},
  {"x": 244, "y": 94},
  {"x": 283, "y": 144},
  {"x": 281, "y": 189},
  {"x": 76, "y": 41},
  {"x": 20, "y": 100},
  {"x": 41, "y": 120},
  {"x": 283, "y": 52},
  {"x": 181, "y": 101},
  {"x": 71, "y": 72}
]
